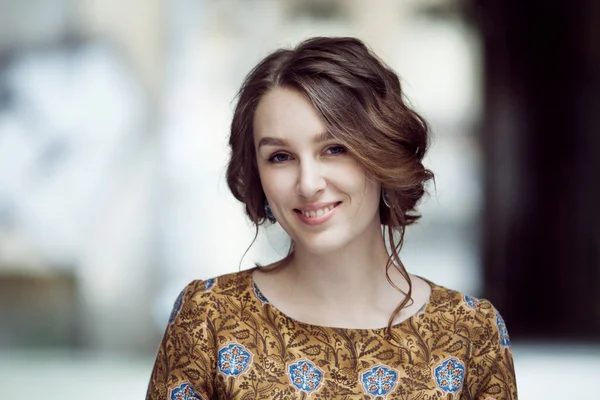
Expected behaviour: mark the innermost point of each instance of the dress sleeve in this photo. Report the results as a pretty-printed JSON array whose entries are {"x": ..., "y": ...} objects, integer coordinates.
[
  {"x": 491, "y": 373},
  {"x": 185, "y": 363}
]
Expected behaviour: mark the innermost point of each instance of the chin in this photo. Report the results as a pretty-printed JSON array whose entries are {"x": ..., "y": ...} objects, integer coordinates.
[{"x": 323, "y": 244}]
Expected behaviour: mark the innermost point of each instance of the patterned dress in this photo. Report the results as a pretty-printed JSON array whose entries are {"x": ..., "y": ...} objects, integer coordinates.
[{"x": 225, "y": 341}]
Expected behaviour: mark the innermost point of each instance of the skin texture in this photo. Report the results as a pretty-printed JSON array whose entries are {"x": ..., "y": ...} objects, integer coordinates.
[
  {"x": 306, "y": 170},
  {"x": 338, "y": 266}
]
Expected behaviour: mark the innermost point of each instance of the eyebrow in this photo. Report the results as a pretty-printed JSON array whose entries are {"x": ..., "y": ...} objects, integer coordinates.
[{"x": 271, "y": 141}]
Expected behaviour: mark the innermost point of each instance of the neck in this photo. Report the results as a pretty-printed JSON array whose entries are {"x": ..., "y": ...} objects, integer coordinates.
[{"x": 352, "y": 275}]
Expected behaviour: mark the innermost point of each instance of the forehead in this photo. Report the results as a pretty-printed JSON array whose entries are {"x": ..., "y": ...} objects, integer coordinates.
[{"x": 286, "y": 113}]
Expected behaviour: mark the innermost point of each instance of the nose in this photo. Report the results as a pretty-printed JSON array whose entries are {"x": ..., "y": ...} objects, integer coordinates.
[{"x": 310, "y": 179}]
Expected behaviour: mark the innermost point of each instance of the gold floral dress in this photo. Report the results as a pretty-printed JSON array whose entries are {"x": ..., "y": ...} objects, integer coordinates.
[{"x": 225, "y": 341}]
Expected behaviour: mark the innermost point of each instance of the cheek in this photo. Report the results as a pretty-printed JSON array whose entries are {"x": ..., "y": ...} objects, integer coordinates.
[
  {"x": 354, "y": 178},
  {"x": 276, "y": 183},
  {"x": 366, "y": 187},
  {"x": 373, "y": 192}
]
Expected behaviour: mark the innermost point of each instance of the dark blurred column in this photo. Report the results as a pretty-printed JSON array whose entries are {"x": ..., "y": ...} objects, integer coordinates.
[{"x": 541, "y": 137}]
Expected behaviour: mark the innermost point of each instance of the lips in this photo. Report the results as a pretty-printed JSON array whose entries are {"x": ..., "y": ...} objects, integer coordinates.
[{"x": 316, "y": 214}]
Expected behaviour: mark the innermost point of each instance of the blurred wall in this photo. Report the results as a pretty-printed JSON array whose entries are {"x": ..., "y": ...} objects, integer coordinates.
[
  {"x": 114, "y": 129},
  {"x": 80, "y": 86}
]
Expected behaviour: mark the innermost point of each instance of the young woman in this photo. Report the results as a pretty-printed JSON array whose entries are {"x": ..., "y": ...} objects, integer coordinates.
[{"x": 323, "y": 143}]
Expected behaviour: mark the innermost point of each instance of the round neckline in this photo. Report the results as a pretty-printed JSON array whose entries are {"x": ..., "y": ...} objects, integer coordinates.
[{"x": 422, "y": 310}]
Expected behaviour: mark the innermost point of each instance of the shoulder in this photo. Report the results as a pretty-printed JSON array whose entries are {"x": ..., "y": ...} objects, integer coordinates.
[
  {"x": 219, "y": 285},
  {"x": 199, "y": 295},
  {"x": 453, "y": 301},
  {"x": 478, "y": 315},
  {"x": 481, "y": 336}
]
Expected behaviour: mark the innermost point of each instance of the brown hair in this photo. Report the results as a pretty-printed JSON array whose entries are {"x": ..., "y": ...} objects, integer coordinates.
[{"x": 362, "y": 105}]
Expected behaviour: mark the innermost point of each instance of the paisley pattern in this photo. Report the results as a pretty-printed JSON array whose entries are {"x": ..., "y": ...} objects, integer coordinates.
[
  {"x": 449, "y": 375},
  {"x": 454, "y": 349},
  {"x": 379, "y": 380}
]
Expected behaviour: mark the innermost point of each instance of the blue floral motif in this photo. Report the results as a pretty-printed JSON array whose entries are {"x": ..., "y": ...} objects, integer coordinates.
[
  {"x": 449, "y": 375},
  {"x": 209, "y": 283},
  {"x": 176, "y": 306},
  {"x": 259, "y": 294},
  {"x": 504, "y": 339},
  {"x": 379, "y": 380},
  {"x": 234, "y": 359},
  {"x": 305, "y": 376},
  {"x": 471, "y": 301},
  {"x": 184, "y": 392}
]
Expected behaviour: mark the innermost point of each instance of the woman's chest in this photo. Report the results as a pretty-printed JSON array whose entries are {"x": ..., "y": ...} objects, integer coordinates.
[{"x": 275, "y": 361}]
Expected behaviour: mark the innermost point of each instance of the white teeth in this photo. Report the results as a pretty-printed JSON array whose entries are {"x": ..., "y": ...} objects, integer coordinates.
[{"x": 319, "y": 212}]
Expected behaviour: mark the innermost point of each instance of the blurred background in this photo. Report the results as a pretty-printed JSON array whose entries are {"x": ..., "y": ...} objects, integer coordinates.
[{"x": 114, "y": 120}]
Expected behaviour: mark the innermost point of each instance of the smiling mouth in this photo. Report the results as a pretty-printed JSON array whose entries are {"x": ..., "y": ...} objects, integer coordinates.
[{"x": 317, "y": 213}]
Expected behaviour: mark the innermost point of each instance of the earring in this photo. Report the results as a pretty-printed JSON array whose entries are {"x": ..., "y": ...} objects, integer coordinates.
[
  {"x": 385, "y": 197},
  {"x": 269, "y": 213}
]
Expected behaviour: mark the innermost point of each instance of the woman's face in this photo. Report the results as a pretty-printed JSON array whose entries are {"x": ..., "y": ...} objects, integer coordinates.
[{"x": 317, "y": 191}]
